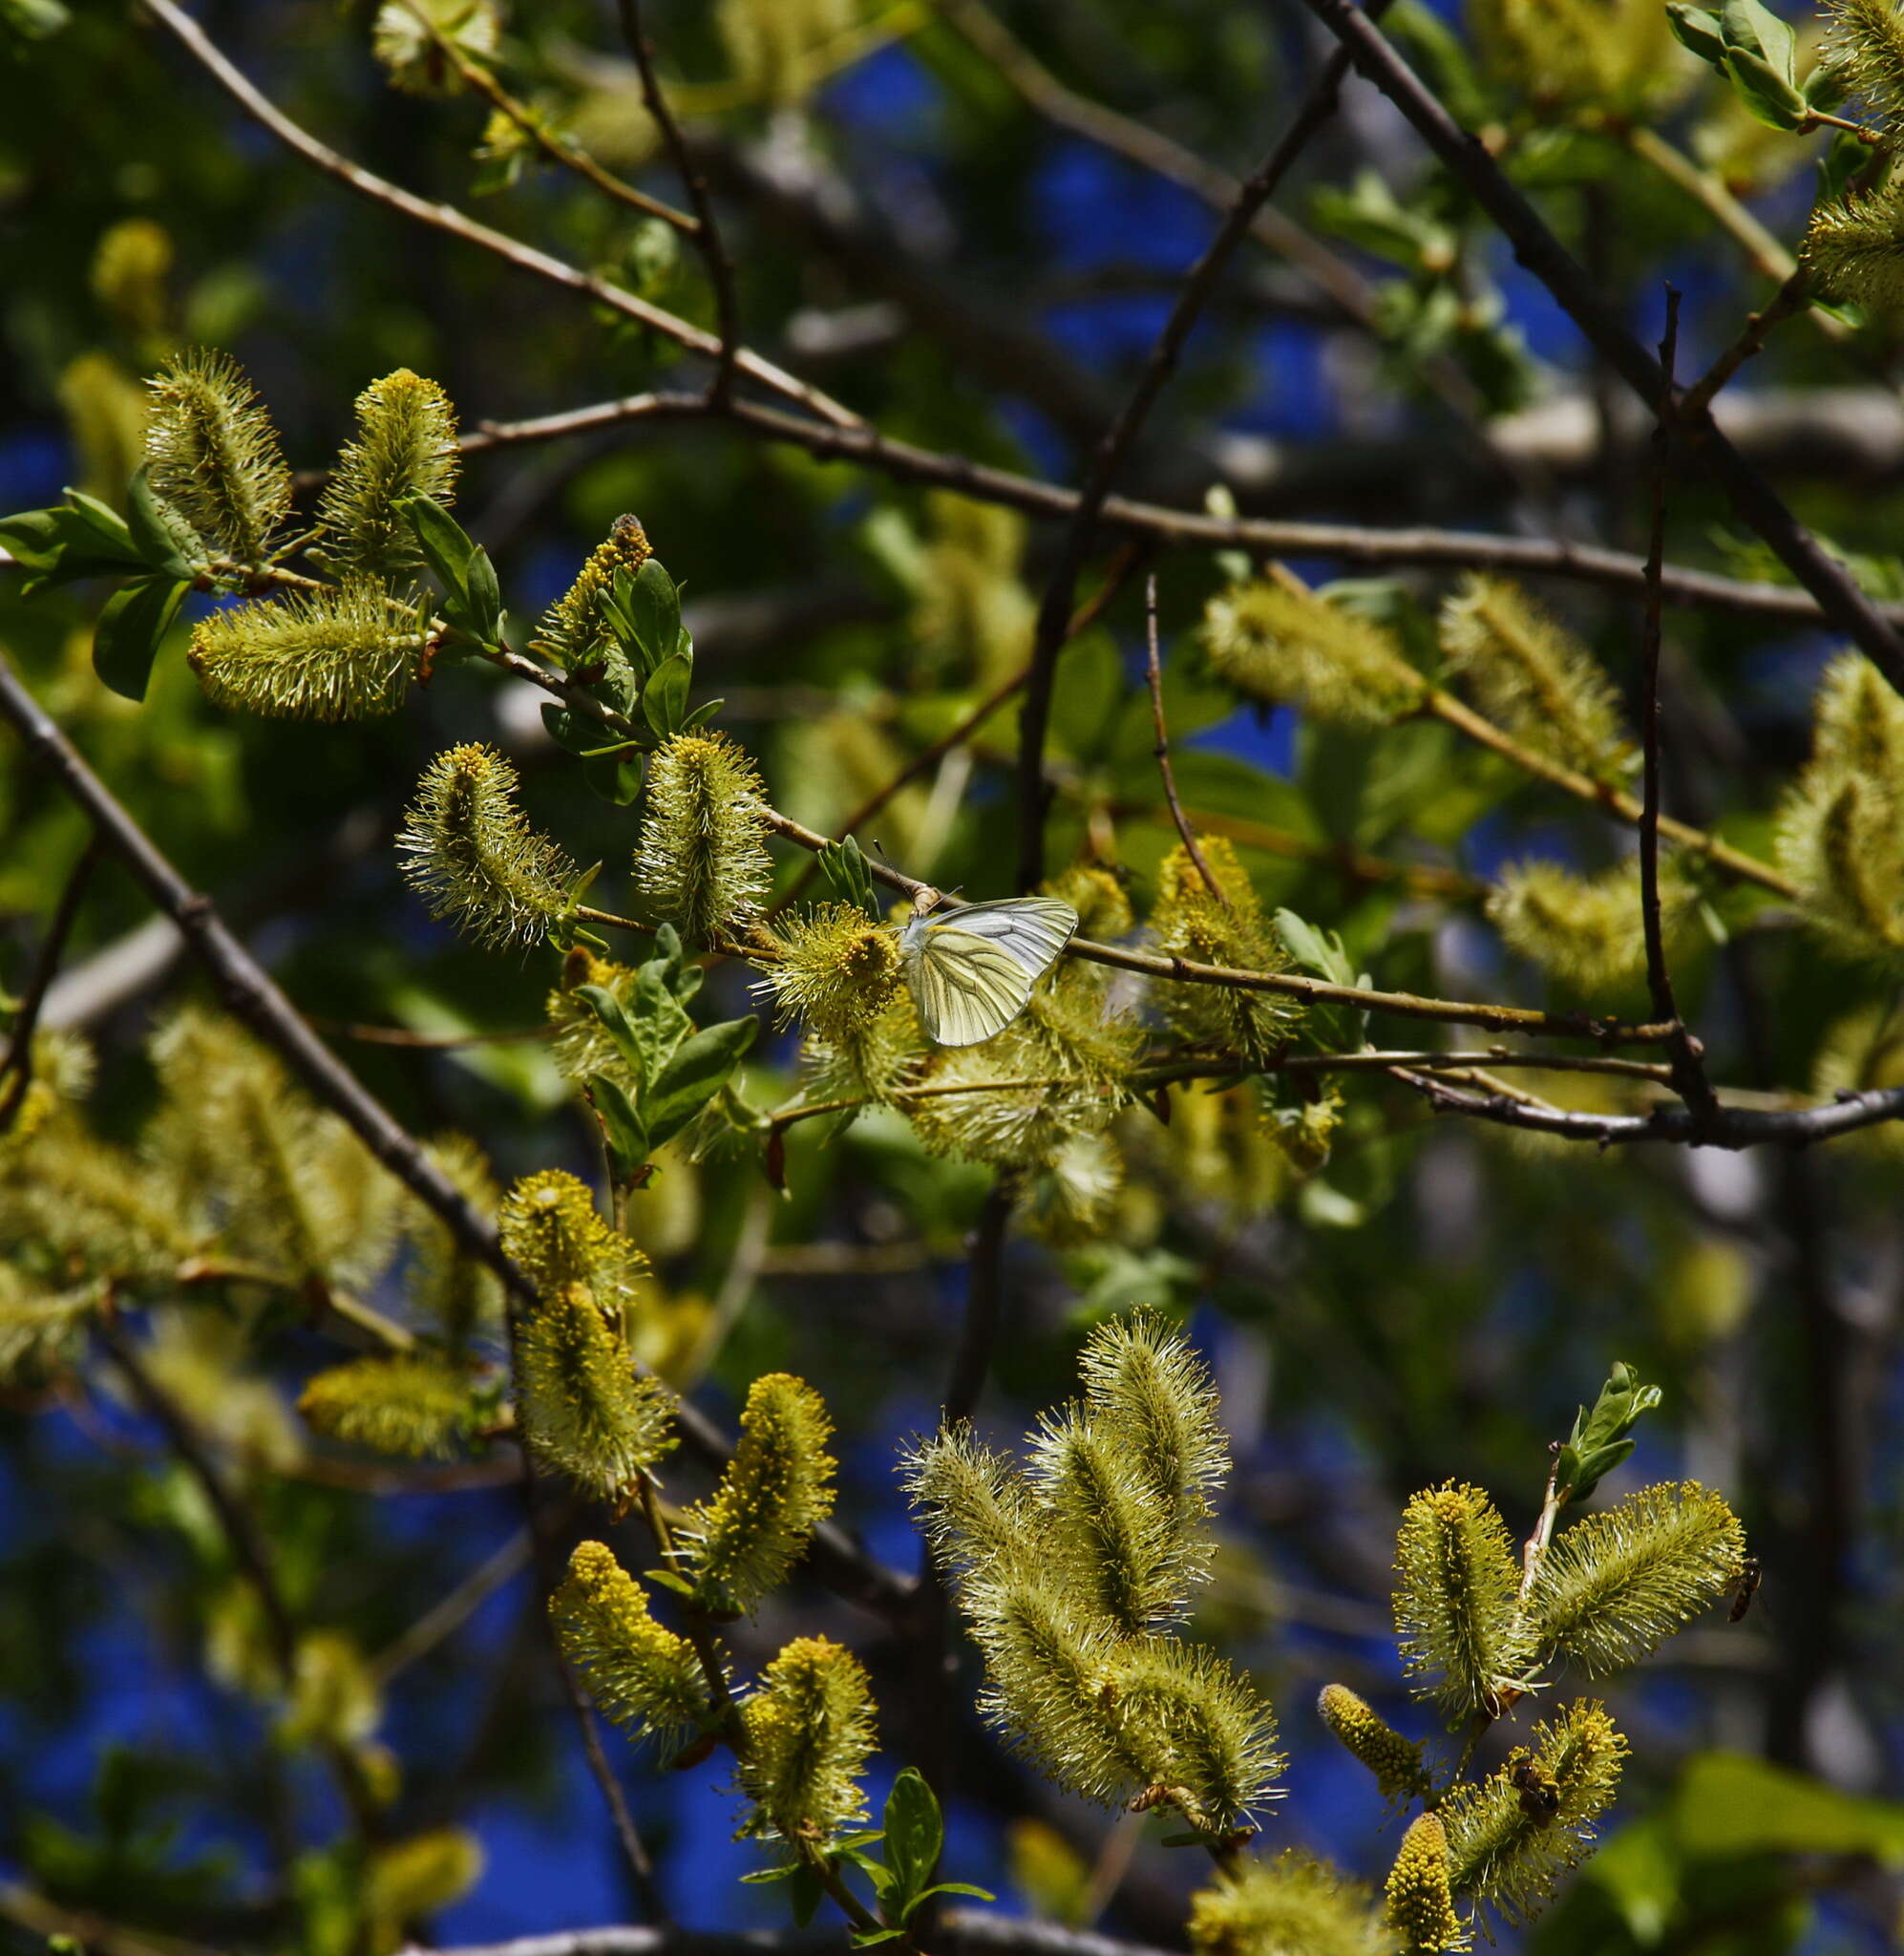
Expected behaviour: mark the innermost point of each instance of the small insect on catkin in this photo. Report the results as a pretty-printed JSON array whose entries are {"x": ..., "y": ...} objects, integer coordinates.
[
  {"x": 702, "y": 860},
  {"x": 473, "y": 856},
  {"x": 406, "y": 440}
]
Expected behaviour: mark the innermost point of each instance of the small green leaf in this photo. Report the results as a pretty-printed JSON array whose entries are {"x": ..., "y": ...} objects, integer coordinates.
[
  {"x": 864, "y": 1938},
  {"x": 805, "y": 1893},
  {"x": 135, "y": 621},
  {"x": 616, "y": 781},
  {"x": 878, "y": 1873},
  {"x": 622, "y": 1127},
  {"x": 760, "y": 1877},
  {"x": 655, "y": 609},
  {"x": 1696, "y": 28},
  {"x": 446, "y": 547},
  {"x": 848, "y": 875},
  {"x": 702, "y": 714},
  {"x": 1765, "y": 94},
  {"x": 664, "y": 697},
  {"x": 485, "y": 619},
  {"x": 1838, "y": 165},
  {"x": 693, "y": 1074},
  {"x": 1747, "y": 26},
  {"x": 914, "y": 1831}
]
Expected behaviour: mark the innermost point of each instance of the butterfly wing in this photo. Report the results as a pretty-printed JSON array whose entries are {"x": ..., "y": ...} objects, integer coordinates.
[
  {"x": 1031, "y": 930},
  {"x": 970, "y": 983}
]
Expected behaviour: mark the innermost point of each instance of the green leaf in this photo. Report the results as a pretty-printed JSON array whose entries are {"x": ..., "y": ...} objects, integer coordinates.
[
  {"x": 34, "y": 21},
  {"x": 702, "y": 714},
  {"x": 80, "y": 538},
  {"x": 1600, "y": 1440},
  {"x": 664, "y": 697},
  {"x": 622, "y": 1127},
  {"x": 881, "y": 1876},
  {"x": 159, "y": 542},
  {"x": 805, "y": 1893},
  {"x": 485, "y": 594},
  {"x": 693, "y": 1074},
  {"x": 655, "y": 610},
  {"x": 1747, "y": 26},
  {"x": 1838, "y": 165},
  {"x": 1728, "y": 1804},
  {"x": 760, "y": 1877},
  {"x": 914, "y": 1831},
  {"x": 1765, "y": 94},
  {"x": 946, "y": 1889},
  {"x": 135, "y": 621},
  {"x": 864, "y": 1938},
  {"x": 848, "y": 875},
  {"x": 1696, "y": 28},
  {"x": 616, "y": 781},
  {"x": 446, "y": 547}
]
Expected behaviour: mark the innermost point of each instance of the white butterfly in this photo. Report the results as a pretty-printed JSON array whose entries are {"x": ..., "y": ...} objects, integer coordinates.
[{"x": 971, "y": 971}]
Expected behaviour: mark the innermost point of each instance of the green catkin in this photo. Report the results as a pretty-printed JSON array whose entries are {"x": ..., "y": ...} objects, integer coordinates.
[
  {"x": 1420, "y": 1906},
  {"x": 1396, "y": 1763},
  {"x": 1512, "y": 1836},
  {"x": 213, "y": 456},
  {"x": 1293, "y": 1905},
  {"x": 405, "y": 441},
  {"x": 1614, "y": 1586},
  {"x": 1530, "y": 675},
  {"x": 836, "y": 973},
  {"x": 1286, "y": 645},
  {"x": 1195, "y": 1725},
  {"x": 409, "y": 53},
  {"x": 574, "y": 629},
  {"x": 1455, "y": 1601},
  {"x": 1586, "y": 930},
  {"x": 1113, "y": 1540},
  {"x": 974, "y": 1504},
  {"x": 473, "y": 858},
  {"x": 701, "y": 860},
  {"x": 345, "y": 652},
  {"x": 643, "y": 1676},
  {"x": 42, "y": 1330},
  {"x": 806, "y": 1734},
  {"x": 1228, "y": 929},
  {"x": 774, "y": 1492},
  {"x": 410, "y": 1404},
  {"x": 1854, "y": 249},
  {"x": 1864, "y": 47}
]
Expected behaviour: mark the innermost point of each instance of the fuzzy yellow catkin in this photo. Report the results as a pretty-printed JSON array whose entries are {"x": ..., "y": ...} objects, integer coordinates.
[
  {"x": 1400, "y": 1772},
  {"x": 405, "y": 441},
  {"x": 1293, "y": 1905},
  {"x": 836, "y": 970},
  {"x": 1228, "y": 929},
  {"x": 1284, "y": 645},
  {"x": 702, "y": 859},
  {"x": 406, "y": 1403},
  {"x": 1455, "y": 1600},
  {"x": 1854, "y": 249},
  {"x": 344, "y": 653},
  {"x": 643, "y": 1676},
  {"x": 1420, "y": 1906},
  {"x": 473, "y": 856},
  {"x": 806, "y": 1734},
  {"x": 213, "y": 458},
  {"x": 1589, "y": 931},
  {"x": 574, "y": 629},
  {"x": 1864, "y": 47}
]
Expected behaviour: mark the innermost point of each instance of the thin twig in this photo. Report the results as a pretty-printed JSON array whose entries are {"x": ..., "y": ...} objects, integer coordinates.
[
  {"x": 1793, "y": 296},
  {"x": 1420, "y": 545},
  {"x": 1155, "y": 673},
  {"x": 1688, "y": 1071},
  {"x": 1547, "y": 259},
  {"x": 706, "y": 232},
  {"x": 450, "y": 1612},
  {"x": 1121, "y": 437},
  {"x": 454, "y": 224},
  {"x": 561, "y": 150},
  {"x": 16, "y": 1070}
]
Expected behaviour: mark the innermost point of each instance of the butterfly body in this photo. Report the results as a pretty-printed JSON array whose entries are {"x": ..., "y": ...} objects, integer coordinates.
[{"x": 971, "y": 971}]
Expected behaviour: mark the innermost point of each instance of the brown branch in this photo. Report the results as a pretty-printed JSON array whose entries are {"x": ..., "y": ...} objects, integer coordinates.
[
  {"x": 1688, "y": 1071},
  {"x": 1420, "y": 545},
  {"x": 251, "y": 995},
  {"x": 1154, "y": 666},
  {"x": 1318, "y": 106},
  {"x": 1793, "y": 296},
  {"x": 707, "y": 233},
  {"x": 452, "y": 222},
  {"x": 16, "y": 1068},
  {"x": 1536, "y": 247},
  {"x": 962, "y": 1931}
]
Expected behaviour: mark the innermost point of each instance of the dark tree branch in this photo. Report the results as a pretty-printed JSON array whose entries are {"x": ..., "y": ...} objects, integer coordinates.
[
  {"x": 1154, "y": 672},
  {"x": 1688, "y": 1071},
  {"x": 706, "y": 232},
  {"x": 1054, "y": 612},
  {"x": 16, "y": 1068},
  {"x": 1543, "y": 253},
  {"x": 1416, "y": 545},
  {"x": 984, "y": 1302}
]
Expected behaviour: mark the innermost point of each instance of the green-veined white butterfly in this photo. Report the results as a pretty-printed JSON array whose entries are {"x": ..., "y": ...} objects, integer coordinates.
[{"x": 971, "y": 971}]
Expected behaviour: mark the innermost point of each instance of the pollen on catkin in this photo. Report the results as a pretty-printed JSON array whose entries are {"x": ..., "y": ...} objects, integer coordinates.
[
  {"x": 345, "y": 652},
  {"x": 1455, "y": 1600},
  {"x": 774, "y": 1492},
  {"x": 1855, "y": 248},
  {"x": 1864, "y": 47},
  {"x": 702, "y": 860},
  {"x": 473, "y": 856},
  {"x": 574, "y": 629},
  {"x": 406, "y": 440},
  {"x": 1420, "y": 1906},
  {"x": 1228, "y": 929},
  {"x": 1396, "y": 1763},
  {"x": 806, "y": 1734},
  {"x": 213, "y": 456},
  {"x": 1532, "y": 676},
  {"x": 1614, "y": 1586},
  {"x": 643, "y": 1676},
  {"x": 1293, "y": 1905},
  {"x": 408, "y": 1403},
  {"x": 836, "y": 973},
  {"x": 1287, "y": 646},
  {"x": 1507, "y": 1850}
]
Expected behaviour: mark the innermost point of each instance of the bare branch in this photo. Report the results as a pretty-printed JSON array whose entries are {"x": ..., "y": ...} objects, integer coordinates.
[
  {"x": 16, "y": 1068},
  {"x": 1155, "y": 672}
]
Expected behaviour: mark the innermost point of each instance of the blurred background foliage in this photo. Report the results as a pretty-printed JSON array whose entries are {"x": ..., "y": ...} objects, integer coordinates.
[{"x": 916, "y": 231}]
